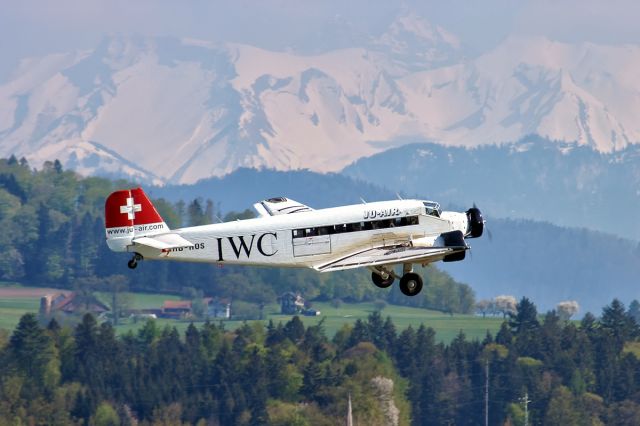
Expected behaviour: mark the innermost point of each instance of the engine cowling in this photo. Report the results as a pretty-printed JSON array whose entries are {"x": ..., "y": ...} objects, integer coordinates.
[{"x": 475, "y": 225}]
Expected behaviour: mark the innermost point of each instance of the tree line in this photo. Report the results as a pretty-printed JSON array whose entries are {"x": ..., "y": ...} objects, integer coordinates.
[
  {"x": 53, "y": 223},
  {"x": 572, "y": 373}
]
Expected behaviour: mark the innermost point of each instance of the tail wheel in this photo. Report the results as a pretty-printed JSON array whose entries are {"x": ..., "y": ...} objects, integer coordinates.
[
  {"x": 410, "y": 284},
  {"x": 381, "y": 282},
  {"x": 134, "y": 260}
]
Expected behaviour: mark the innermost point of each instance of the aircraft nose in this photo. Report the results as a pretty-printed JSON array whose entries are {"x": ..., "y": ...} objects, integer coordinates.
[{"x": 475, "y": 222}]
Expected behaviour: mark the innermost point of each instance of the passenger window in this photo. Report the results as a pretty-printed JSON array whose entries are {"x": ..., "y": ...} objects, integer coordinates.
[{"x": 355, "y": 227}]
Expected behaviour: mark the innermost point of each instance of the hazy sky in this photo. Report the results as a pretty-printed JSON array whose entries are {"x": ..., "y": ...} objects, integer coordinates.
[{"x": 36, "y": 27}]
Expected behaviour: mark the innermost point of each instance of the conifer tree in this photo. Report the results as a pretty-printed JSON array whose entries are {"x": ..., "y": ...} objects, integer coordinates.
[
  {"x": 311, "y": 382},
  {"x": 634, "y": 310},
  {"x": 86, "y": 349},
  {"x": 526, "y": 317},
  {"x": 31, "y": 351},
  {"x": 390, "y": 334},
  {"x": 616, "y": 321},
  {"x": 360, "y": 333},
  {"x": 375, "y": 326},
  {"x": 405, "y": 351},
  {"x": 294, "y": 329}
]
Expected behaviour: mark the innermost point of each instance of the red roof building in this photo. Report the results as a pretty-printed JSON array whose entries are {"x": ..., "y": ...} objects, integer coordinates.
[
  {"x": 70, "y": 303},
  {"x": 213, "y": 308}
]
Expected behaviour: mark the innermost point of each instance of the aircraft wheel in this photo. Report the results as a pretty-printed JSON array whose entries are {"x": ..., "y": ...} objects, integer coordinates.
[
  {"x": 381, "y": 282},
  {"x": 134, "y": 260},
  {"x": 410, "y": 284}
]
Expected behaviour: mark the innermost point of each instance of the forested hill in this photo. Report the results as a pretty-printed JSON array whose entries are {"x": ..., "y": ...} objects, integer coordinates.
[
  {"x": 535, "y": 178},
  {"x": 244, "y": 187},
  {"x": 548, "y": 264},
  {"x": 53, "y": 222},
  {"x": 289, "y": 374},
  {"x": 53, "y": 235},
  {"x": 537, "y": 259}
]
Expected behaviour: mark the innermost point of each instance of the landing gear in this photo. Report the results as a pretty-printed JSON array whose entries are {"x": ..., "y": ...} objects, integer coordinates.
[
  {"x": 410, "y": 284},
  {"x": 137, "y": 257},
  {"x": 381, "y": 282}
]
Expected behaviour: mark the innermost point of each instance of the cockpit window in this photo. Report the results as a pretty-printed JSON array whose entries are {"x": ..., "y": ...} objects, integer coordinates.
[
  {"x": 276, "y": 200},
  {"x": 432, "y": 208}
]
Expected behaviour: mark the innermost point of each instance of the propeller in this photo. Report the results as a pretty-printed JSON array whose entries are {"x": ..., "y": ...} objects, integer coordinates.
[
  {"x": 477, "y": 225},
  {"x": 476, "y": 222}
]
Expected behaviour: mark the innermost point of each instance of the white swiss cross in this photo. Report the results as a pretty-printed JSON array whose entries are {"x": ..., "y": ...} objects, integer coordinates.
[{"x": 130, "y": 209}]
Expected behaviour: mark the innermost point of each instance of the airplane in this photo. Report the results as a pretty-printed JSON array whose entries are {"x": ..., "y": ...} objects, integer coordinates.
[{"x": 286, "y": 233}]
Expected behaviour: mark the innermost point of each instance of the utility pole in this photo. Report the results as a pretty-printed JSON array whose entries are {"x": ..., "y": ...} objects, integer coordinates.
[
  {"x": 526, "y": 402},
  {"x": 486, "y": 392}
]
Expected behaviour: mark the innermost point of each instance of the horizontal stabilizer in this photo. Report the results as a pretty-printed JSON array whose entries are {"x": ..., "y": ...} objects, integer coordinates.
[{"x": 163, "y": 241}]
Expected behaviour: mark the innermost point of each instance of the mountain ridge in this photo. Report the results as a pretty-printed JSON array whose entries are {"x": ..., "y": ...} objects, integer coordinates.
[
  {"x": 566, "y": 184},
  {"x": 180, "y": 110}
]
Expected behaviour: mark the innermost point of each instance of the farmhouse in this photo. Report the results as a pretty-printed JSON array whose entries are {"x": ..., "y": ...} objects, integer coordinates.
[
  {"x": 291, "y": 303},
  {"x": 213, "y": 308},
  {"x": 71, "y": 303}
]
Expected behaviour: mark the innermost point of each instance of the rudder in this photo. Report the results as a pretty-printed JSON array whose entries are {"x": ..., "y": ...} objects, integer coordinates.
[{"x": 129, "y": 213}]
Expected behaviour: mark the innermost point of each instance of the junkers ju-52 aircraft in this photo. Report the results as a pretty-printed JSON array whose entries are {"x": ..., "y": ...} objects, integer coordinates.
[{"x": 378, "y": 236}]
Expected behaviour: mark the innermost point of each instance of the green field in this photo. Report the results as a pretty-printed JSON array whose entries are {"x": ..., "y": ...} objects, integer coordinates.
[
  {"x": 11, "y": 309},
  {"x": 141, "y": 300},
  {"x": 446, "y": 326}
]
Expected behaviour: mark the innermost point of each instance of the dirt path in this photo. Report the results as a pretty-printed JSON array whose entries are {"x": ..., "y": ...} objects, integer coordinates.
[{"x": 14, "y": 292}]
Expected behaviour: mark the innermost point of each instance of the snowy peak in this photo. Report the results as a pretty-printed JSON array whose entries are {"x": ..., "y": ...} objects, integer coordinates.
[
  {"x": 416, "y": 42},
  {"x": 568, "y": 92},
  {"x": 172, "y": 110}
]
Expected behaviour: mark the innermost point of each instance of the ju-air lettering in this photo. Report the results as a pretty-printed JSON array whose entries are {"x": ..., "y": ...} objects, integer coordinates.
[{"x": 381, "y": 213}]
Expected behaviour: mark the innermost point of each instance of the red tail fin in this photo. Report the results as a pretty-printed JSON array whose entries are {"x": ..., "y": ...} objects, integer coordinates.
[
  {"x": 128, "y": 208},
  {"x": 129, "y": 214}
]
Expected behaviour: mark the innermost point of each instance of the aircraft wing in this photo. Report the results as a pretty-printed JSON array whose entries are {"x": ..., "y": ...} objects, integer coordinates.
[
  {"x": 163, "y": 241},
  {"x": 389, "y": 256}
]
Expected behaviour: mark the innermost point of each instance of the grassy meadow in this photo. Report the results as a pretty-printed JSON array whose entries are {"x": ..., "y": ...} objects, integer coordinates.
[
  {"x": 447, "y": 326},
  {"x": 11, "y": 309}
]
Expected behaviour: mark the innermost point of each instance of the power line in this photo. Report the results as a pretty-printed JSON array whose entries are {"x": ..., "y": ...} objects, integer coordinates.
[
  {"x": 525, "y": 400},
  {"x": 486, "y": 392}
]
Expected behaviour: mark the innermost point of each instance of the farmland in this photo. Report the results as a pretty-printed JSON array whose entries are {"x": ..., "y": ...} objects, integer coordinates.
[{"x": 15, "y": 301}]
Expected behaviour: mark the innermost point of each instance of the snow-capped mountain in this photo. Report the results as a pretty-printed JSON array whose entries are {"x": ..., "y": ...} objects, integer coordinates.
[
  {"x": 178, "y": 110},
  {"x": 417, "y": 44}
]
